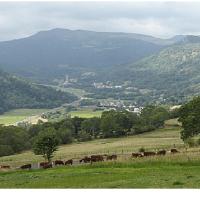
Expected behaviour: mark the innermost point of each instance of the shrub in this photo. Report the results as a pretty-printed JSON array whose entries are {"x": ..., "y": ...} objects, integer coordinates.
[{"x": 142, "y": 149}]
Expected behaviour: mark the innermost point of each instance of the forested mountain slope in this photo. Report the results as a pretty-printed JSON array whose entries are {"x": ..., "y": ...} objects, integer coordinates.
[
  {"x": 54, "y": 53},
  {"x": 17, "y": 93},
  {"x": 173, "y": 72}
]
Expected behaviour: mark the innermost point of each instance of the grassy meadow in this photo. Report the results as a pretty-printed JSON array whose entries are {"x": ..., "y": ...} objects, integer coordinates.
[
  {"x": 130, "y": 174},
  {"x": 170, "y": 171},
  {"x": 16, "y": 115}
]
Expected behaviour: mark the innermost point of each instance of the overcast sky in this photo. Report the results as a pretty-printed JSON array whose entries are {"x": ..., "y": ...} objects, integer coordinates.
[{"x": 152, "y": 18}]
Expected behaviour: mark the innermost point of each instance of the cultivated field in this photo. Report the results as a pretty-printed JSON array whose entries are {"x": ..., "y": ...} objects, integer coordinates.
[
  {"x": 170, "y": 171},
  {"x": 85, "y": 113},
  {"x": 17, "y": 115}
]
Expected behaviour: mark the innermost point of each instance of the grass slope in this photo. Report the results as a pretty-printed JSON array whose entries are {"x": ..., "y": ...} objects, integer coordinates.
[
  {"x": 161, "y": 138},
  {"x": 131, "y": 174},
  {"x": 170, "y": 171}
]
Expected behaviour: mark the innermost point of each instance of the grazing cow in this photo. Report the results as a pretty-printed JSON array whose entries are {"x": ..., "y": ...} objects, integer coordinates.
[
  {"x": 86, "y": 159},
  {"x": 69, "y": 162},
  {"x": 174, "y": 150},
  {"x": 114, "y": 157},
  {"x": 149, "y": 153},
  {"x": 59, "y": 162},
  {"x": 137, "y": 155},
  {"x": 27, "y": 166},
  {"x": 111, "y": 157},
  {"x": 161, "y": 152},
  {"x": 96, "y": 158},
  {"x": 43, "y": 164},
  {"x": 47, "y": 165},
  {"x": 5, "y": 167}
]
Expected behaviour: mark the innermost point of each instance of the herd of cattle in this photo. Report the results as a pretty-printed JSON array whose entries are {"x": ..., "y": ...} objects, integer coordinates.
[{"x": 91, "y": 159}]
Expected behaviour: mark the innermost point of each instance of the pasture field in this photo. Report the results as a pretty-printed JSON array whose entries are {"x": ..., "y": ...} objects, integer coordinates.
[
  {"x": 173, "y": 171},
  {"x": 162, "y": 138},
  {"x": 180, "y": 170},
  {"x": 16, "y": 115},
  {"x": 86, "y": 113}
]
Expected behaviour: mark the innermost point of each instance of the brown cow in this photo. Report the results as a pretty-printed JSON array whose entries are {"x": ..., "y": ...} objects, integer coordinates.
[
  {"x": 174, "y": 150},
  {"x": 27, "y": 166},
  {"x": 149, "y": 153},
  {"x": 69, "y": 162},
  {"x": 59, "y": 162},
  {"x": 96, "y": 158},
  {"x": 86, "y": 159},
  {"x": 137, "y": 155},
  {"x": 111, "y": 157},
  {"x": 161, "y": 152},
  {"x": 43, "y": 164},
  {"x": 47, "y": 165},
  {"x": 5, "y": 167}
]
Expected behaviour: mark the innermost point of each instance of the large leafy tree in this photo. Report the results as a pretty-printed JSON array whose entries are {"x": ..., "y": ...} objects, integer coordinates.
[
  {"x": 91, "y": 126},
  {"x": 190, "y": 118},
  {"x": 46, "y": 143},
  {"x": 154, "y": 116},
  {"x": 13, "y": 140},
  {"x": 114, "y": 123}
]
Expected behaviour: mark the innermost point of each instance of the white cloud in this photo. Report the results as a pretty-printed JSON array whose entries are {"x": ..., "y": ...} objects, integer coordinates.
[{"x": 152, "y": 18}]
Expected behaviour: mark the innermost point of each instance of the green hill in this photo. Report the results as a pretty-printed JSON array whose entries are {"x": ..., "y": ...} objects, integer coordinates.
[
  {"x": 172, "y": 75},
  {"x": 18, "y": 93}
]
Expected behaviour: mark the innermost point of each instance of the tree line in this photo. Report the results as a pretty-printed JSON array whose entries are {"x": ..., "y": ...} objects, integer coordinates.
[{"x": 111, "y": 124}]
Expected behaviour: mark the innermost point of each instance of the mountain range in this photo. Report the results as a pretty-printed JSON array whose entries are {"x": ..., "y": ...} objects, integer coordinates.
[
  {"x": 168, "y": 69},
  {"x": 49, "y": 54}
]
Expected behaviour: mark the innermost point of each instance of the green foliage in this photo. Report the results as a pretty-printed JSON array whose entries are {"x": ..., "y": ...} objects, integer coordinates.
[
  {"x": 65, "y": 135},
  {"x": 13, "y": 140},
  {"x": 46, "y": 143},
  {"x": 110, "y": 124},
  {"x": 91, "y": 126},
  {"x": 84, "y": 136},
  {"x": 174, "y": 113},
  {"x": 6, "y": 150},
  {"x": 121, "y": 123},
  {"x": 142, "y": 149},
  {"x": 17, "y": 93},
  {"x": 191, "y": 142},
  {"x": 115, "y": 123},
  {"x": 154, "y": 116},
  {"x": 190, "y": 118}
]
